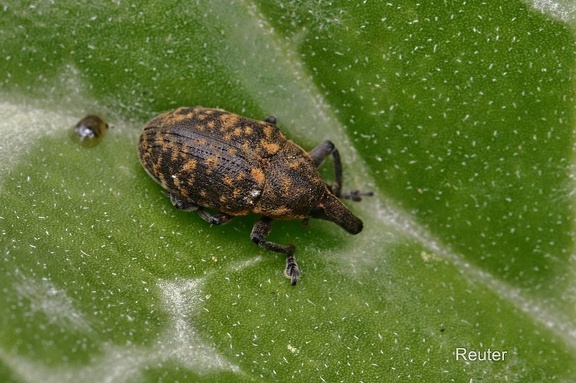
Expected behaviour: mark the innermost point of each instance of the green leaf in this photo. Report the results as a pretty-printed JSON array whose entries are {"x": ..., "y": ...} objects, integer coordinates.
[{"x": 459, "y": 116}]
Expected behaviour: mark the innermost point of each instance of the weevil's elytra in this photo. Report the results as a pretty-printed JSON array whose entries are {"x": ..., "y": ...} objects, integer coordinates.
[
  {"x": 90, "y": 130},
  {"x": 212, "y": 159}
]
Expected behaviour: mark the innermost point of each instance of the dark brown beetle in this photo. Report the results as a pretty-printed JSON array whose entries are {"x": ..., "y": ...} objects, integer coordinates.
[
  {"x": 210, "y": 158},
  {"x": 90, "y": 130}
]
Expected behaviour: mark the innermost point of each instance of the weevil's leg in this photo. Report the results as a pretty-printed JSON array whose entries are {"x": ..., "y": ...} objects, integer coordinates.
[
  {"x": 271, "y": 120},
  {"x": 181, "y": 204},
  {"x": 292, "y": 271},
  {"x": 322, "y": 151},
  {"x": 258, "y": 235},
  {"x": 260, "y": 231},
  {"x": 356, "y": 195},
  {"x": 216, "y": 219},
  {"x": 318, "y": 155}
]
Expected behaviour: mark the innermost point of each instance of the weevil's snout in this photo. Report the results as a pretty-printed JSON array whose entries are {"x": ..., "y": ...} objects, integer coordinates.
[{"x": 331, "y": 209}]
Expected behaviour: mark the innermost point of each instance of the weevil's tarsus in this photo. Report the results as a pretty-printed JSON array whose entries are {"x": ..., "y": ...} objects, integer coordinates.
[
  {"x": 292, "y": 271},
  {"x": 356, "y": 195}
]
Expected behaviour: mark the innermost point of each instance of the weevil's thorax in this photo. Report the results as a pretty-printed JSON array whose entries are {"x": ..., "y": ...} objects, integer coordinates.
[{"x": 293, "y": 186}]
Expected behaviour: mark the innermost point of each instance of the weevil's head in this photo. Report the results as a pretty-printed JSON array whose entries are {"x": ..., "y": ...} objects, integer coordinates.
[{"x": 331, "y": 209}]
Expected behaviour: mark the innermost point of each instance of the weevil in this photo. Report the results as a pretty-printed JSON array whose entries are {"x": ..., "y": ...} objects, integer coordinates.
[{"x": 212, "y": 159}]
